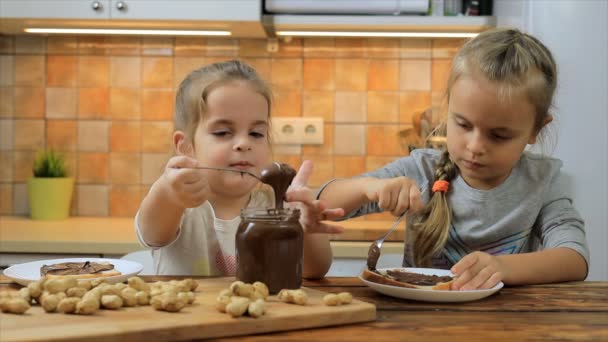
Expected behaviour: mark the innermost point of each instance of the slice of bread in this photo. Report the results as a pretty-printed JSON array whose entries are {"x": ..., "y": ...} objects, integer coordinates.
[{"x": 381, "y": 277}]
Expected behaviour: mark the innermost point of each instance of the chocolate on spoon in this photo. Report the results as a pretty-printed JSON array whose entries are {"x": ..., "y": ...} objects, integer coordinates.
[{"x": 279, "y": 177}]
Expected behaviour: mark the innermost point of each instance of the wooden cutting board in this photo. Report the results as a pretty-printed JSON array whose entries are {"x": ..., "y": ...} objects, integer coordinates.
[{"x": 199, "y": 320}]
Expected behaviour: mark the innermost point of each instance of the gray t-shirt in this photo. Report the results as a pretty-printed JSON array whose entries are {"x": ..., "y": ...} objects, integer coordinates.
[{"x": 529, "y": 211}]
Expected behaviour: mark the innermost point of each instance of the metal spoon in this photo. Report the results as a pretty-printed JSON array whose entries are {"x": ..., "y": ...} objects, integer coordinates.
[
  {"x": 373, "y": 254},
  {"x": 242, "y": 172}
]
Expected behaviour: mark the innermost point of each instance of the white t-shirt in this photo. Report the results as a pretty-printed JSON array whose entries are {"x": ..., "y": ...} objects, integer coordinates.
[{"x": 204, "y": 244}]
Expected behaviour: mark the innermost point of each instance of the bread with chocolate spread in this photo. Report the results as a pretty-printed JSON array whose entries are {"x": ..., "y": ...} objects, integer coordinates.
[{"x": 407, "y": 279}]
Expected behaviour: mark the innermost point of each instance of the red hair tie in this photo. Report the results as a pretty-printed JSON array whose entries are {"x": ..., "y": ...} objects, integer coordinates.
[{"x": 441, "y": 186}]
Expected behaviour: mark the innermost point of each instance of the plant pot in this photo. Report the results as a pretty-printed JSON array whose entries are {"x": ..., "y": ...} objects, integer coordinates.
[{"x": 50, "y": 198}]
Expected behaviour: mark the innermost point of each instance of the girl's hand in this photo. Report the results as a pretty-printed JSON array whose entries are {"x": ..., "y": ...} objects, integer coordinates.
[
  {"x": 478, "y": 270},
  {"x": 312, "y": 212},
  {"x": 187, "y": 188},
  {"x": 395, "y": 194}
]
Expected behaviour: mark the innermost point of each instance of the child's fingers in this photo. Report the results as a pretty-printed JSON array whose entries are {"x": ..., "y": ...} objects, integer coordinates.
[
  {"x": 492, "y": 281},
  {"x": 478, "y": 280},
  {"x": 465, "y": 263},
  {"x": 181, "y": 162},
  {"x": 332, "y": 214},
  {"x": 301, "y": 178},
  {"x": 301, "y": 194},
  {"x": 403, "y": 202}
]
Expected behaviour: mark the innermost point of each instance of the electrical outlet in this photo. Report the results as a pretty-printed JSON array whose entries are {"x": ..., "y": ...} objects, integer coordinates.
[{"x": 297, "y": 130}]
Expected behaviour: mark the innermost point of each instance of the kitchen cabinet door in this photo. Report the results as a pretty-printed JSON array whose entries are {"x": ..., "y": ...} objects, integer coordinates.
[
  {"x": 201, "y": 10},
  {"x": 55, "y": 9}
]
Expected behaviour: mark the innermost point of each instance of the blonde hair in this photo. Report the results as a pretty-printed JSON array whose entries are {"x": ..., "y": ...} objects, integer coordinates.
[
  {"x": 191, "y": 98},
  {"x": 515, "y": 61}
]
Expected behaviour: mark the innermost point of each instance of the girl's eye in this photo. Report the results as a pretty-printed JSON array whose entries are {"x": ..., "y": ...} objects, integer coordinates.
[
  {"x": 257, "y": 134},
  {"x": 462, "y": 124},
  {"x": 221, "y": 133},
  {"x": 500, "y": 137}
]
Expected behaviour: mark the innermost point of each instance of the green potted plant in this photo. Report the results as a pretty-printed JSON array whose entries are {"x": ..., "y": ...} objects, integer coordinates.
[{"x": 50, "y": 190}]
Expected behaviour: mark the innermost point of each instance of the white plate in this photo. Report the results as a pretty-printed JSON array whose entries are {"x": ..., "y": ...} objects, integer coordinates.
[
  {"x": 430, "y": 295},
  {"x": 30, "y": 271}
]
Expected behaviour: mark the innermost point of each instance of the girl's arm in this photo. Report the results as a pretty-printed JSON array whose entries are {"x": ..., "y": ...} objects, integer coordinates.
[
  {"x": 349, "y": 194},
  {"x": 178, "y": 188},
  {"x": 317, "y": 256},
  {"x": 548, "y": 266}
]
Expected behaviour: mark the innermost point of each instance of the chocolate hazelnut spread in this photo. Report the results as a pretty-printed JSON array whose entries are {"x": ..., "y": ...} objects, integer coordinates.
[
  {"x": 269, "y": 248},
  {"x": 417, "y": 278},
  {"x": 373, "y": 254},
  {"x": 278, "y": 176}
]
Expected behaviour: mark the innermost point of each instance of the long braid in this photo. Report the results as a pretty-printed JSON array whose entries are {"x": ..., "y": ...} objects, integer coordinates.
[{"x": 431, "y": 225}]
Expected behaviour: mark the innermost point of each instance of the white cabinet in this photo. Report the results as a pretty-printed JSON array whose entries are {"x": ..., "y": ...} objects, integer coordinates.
[
  {"x": 243, "y": 18},
  {"x": 55, "y": 9}
]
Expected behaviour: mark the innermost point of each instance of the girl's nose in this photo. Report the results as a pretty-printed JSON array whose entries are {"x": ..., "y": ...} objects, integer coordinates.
[
  {"x": 242, "y": 144},
  {"x": 475, "y": 143}
]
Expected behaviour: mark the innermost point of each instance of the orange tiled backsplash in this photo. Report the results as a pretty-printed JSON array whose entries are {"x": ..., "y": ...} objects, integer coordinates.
[{"x": 107, "y": 104}]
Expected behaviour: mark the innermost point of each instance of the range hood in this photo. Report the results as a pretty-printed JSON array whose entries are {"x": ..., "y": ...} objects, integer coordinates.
[{"x": 387, "y": 18}]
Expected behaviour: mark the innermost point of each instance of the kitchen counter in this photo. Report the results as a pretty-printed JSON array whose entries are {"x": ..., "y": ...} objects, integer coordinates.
[{"x": 116, "y": 236}]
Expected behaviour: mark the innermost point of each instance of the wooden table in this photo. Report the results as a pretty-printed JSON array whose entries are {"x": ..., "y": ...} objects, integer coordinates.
[{"x": 569, "y": 311}]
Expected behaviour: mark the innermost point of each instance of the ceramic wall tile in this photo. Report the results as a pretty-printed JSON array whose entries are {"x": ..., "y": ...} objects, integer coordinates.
[
  {"x": 287, "y": 102},
  {"x": 157, "y": 104},
  {"x": 29, "y": 71},
  {"x": 125, "y": 71},
  {"x": 6, "y": 199},
  {"x": 29, "y": 135},
  {"x": 156, "y": 137},
  {"x": 8, "y": 166},
  {"x": 93, "y": 168},
  {"x": 286, "y": 73},
  {"x": 23, "y": 162},
  {"x": 351, "y": 74},
  {"x": 382, "y": 106},
  {"x": 94, "y": 136},
  {"x": 93, "y": 200},
  {"x": 383, "y": 74},
  {"x": 125, "y": 168},
  {"x": 157, "y": 46},
  {"x": 7, "y": 102},
  {"x": 61, "y": 103},
  {"x": 125, "y": 136},
  {"x": 7, "y": 135},
  {"x": 61, "y": 71},
  {"x": 29, "y": 102},
  {"x": 348, "y": 166},
  {"x": 93, "y": 103},
  {"x": 190, "y": 46},
  {"x": 93, "y": 71},
  {"x": 157, "y": 72},
  {"x": 351, "y": 107},
  {"x": 125, "y": 200},
  {"x": 61, "y": 135},
  {"x": 125, "y": 103},
  {"x": 152, "y": 166},
  {"x": 7, "y": 70},
  {"x": 383, "y": 140},
  {"x": 415, "y": 74},
  {"x": 318, "y": 103},
  {"x": 349, "y": 139},
  {"x": 30, "y": 45},
  {"x": 319, "y": 74}
]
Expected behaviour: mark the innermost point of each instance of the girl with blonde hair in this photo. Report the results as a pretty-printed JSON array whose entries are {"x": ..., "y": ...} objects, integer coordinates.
[
  {"x": 485, "y": 208},
  {"x": 190, "y": 216}
]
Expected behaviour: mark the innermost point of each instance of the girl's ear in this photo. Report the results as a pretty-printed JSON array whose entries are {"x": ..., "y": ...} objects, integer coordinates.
[
  {"x": 183, "y": 147},
  {"x": 547, "y": 120}
]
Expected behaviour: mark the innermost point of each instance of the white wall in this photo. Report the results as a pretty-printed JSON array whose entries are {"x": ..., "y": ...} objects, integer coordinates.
[{"x": 576, "y": 31}]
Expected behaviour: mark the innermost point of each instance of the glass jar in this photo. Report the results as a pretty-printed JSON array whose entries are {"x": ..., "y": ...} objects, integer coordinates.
[{"x": 269, "y": 248}]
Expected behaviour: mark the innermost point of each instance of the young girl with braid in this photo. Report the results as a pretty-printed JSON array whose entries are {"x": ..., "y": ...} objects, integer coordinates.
[{"x": 485, "y": 208}]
